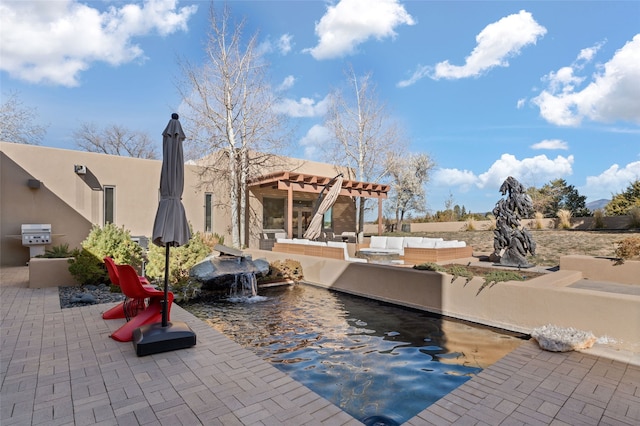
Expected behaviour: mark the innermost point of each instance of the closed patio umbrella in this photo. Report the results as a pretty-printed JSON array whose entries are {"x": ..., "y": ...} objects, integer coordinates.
[
  {"x": 170, "y": 228},
  {"x": 315, "y": 227}
]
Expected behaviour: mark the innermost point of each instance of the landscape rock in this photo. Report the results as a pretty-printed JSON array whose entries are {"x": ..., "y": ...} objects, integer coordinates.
[
  {"x": 557, "y": 339},
  {"x": 219, "y": 271}
]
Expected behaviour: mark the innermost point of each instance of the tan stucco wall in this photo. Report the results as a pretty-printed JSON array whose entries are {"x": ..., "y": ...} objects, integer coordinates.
[
  {"x": 50, "y": 273},
  {"x": 67, "y": 201},
  {"x": 603, "y": 269},
  {"x": 516, "y": 306},
  {"x": 579, "y": 223}
]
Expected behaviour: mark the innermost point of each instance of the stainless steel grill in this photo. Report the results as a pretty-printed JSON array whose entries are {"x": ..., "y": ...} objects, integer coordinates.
[{"x": 36, "y": 236}]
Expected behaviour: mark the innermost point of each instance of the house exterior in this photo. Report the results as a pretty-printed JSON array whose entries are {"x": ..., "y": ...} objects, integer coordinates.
[{"x": 75, "y": 190}]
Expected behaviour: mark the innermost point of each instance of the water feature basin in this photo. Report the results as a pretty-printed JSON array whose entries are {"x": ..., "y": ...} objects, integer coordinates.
[{"x": 373, "y": 360}]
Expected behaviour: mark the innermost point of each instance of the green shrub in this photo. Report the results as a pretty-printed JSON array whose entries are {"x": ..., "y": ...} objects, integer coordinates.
[
  {"x": 460, "y": 271},
  {"x": 60, "y": 251},
  {"x": 494, "y": 277},
  {"x": 181, "y": 260},
  {"x": 88, "y": 268},
  {"x": 87, "y": 264},
  {"x": 455, "y": 270}
]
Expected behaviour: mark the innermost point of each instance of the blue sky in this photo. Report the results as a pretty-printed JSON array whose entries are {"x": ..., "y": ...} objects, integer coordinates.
[{"x": 537, "y": 90}]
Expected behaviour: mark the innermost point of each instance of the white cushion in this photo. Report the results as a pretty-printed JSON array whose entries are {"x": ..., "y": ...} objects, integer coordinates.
[
  {"x": 408, "y": 241},
  {"x": 450, "y": 244},
  {"x": 426, "y": 244},
  {"x": 395, "y": 243},
  {"x": 378, "y": 242},
  {"x": 379, "y": 250},
  {"x": 284, "y": 240},
  {"x": 429, "y": 239},
  {"x": 336, "y": 244}
]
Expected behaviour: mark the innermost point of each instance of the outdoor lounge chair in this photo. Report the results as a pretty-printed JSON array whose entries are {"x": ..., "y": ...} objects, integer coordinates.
[
  {"x": 132, "y": 287},
  {"x": 127, "y": 308}
]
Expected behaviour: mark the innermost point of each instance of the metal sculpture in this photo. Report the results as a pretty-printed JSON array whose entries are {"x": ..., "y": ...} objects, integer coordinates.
[{"x": 511, "y": 241}]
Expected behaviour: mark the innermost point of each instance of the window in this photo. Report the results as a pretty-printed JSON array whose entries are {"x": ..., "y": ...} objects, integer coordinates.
[
  {"x": 273, "y": 213},
  {"x": 327, "y": 221},
  {"x": 208, "y": 212},
  {"x": 109, "y": 204}
]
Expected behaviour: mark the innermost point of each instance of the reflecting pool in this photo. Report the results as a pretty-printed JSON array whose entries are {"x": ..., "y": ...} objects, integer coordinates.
[{"x": 381, "y": 363}]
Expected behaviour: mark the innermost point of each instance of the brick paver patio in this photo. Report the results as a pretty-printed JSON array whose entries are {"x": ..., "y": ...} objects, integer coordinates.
[{"x": 59, "y": 367}]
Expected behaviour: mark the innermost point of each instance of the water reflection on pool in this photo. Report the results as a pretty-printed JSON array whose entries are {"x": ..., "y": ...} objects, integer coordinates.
[{"x": 367, "y": 357}]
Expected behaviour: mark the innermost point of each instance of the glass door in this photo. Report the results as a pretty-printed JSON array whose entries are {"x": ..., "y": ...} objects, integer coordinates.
[{"x": 302, "y": 214}]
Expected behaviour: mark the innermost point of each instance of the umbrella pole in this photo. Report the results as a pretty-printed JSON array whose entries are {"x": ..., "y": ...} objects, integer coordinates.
[{"x": 165, "y": 319}]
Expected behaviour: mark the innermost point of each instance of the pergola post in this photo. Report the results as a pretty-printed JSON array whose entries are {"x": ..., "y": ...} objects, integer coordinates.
[
  {"x": 290, "y": 211},
  {"x": 379, "y": 216}
]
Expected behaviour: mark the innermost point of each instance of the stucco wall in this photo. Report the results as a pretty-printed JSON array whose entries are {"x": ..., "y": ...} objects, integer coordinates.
[
  {"x": 517, "y": 306},
  {"x": 580, "y": 223},
  {"x": 71, "y": 203}
]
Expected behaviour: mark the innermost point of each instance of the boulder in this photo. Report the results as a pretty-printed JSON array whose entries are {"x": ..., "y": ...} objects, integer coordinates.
[
  {"x": 220, "y": 271},
  {"x": 557, "y": 339}
]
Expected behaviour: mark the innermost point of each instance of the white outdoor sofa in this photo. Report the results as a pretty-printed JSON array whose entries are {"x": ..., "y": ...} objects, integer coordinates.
[{"x": 419, "y": 249}]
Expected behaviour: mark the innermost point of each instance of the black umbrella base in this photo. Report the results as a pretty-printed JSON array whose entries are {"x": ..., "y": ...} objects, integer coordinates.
[{"x": 154, "y": 338}]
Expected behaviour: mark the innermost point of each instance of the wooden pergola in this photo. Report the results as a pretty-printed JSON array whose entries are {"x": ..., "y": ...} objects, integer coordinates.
[{"x": 302, "y": 182}]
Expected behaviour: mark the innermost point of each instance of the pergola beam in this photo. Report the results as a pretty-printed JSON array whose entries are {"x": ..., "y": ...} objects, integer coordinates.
[{"x": 301, "y": 182}]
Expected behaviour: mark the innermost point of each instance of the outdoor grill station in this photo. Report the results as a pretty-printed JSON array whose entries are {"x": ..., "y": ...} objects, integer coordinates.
[{"x": 36, "y": 237}]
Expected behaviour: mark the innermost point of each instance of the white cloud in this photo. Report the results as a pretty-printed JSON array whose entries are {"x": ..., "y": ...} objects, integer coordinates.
[
  {"x": 550, "y": 144},
  {"x": 521, "y": 102},
  {"x": 305, "y": 107},
  {"x": 284, "y": 44},
  {"x": 612, "y": 95},
  {"x": 314, "y": 140},
  {"x": 529, "y": 171},
  {"x": 287, "y": 83},
  {"x": 464, "y": 179},
  {"x": 351, "y": 22},
  {"x": 614, "y": 180},
  {"x": 420, "y": 72},
  {"x": 495, "y": 44},
  {"x": 54, "y": 41}
]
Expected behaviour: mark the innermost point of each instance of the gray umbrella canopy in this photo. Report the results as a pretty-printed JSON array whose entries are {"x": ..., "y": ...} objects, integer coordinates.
[
  {"x": 170, "y": 226},
  {"x": 315, "y": 227}
]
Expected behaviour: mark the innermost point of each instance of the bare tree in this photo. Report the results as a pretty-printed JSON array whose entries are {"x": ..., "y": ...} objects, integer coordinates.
[
  {"x": 409, "y": 174},
  {"x": 365, "y": 138},
  {"x": 229, "y": 107},
  {"x": 17, "y": 122},
  {"x": 115, "y": 140}
]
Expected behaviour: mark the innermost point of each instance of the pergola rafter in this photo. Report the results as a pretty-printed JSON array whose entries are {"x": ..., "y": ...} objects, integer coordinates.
[{"x": 304, "y": 182}]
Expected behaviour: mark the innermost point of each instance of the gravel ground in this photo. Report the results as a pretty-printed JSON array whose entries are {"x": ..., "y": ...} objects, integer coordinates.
[{"x": 71, "y": 297}]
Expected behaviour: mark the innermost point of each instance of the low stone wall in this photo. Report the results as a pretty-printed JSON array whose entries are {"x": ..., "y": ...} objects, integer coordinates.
[
  {"x": 603, "y": 269},
  {"x": 45, "y": 272},
  {"x": 579, "y": 223},
  {"x": 517, "y": 306}
]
